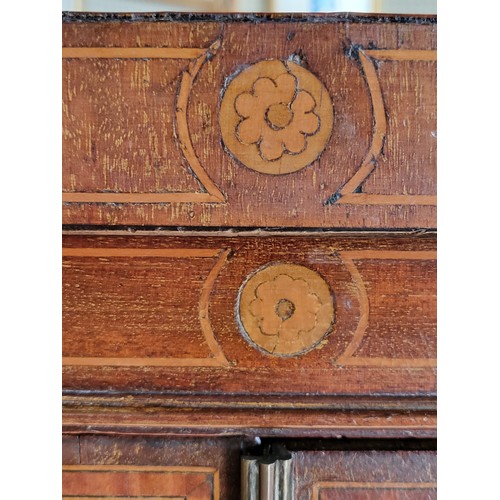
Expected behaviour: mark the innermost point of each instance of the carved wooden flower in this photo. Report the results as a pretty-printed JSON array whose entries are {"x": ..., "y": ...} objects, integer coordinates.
[
  {"x": 286, "y": 307},
  {"x": 276, "y": 116}
]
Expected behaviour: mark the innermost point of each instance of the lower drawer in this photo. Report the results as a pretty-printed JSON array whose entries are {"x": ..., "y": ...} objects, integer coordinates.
[{"x": 251, "y": 317}]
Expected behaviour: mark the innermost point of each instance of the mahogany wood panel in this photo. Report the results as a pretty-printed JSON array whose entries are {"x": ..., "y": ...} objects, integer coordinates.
[
  {"x": 251, "y": 316},
  {"x": 144, "y": 482},
  {"x": 114, "y": 466},
  {"x": 249, "y": 121},
  {"x": 360, "y": 475}
]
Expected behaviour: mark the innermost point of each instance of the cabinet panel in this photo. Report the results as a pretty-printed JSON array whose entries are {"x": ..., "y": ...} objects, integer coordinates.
[
  {"x": 224, "y": 121},
  {"x": 113, "y": 466},
  {"x": 327, "y": 315},
  {"x": 114, "y": 482},
  {"x": 153, "y": 467},
  {"x": 356, "y": 475},
  {"x": 191, "y": 341}
]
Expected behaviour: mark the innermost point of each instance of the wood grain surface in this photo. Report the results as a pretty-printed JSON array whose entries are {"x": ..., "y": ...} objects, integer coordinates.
[
  {"x": 113, "y": 482},
  {"x": 357, "y": 475},
  {"x": 111, "y": 465},
  {"x": 114, "y": 466},
  {"x": 247, "y": 199},
  {"x": 267, "y": 121},
  {"x": 163, "y": 313},
  {"x": 236, "y": 416}
]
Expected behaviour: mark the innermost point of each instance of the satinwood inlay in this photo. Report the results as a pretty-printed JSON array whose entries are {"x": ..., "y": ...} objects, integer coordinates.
[
  {"x": 276, "y": 117},
  {"x": 285, "y": 309}
]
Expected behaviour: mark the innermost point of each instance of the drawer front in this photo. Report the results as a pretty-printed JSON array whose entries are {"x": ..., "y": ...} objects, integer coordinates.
[
  {"x": 253, "y": 121},
  {"x": 251, "y": 315}
]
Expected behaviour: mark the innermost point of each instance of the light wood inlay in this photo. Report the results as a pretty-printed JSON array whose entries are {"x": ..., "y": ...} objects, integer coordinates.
[
  {"x": 350, "y": 193},
  {"x": 146, "y": 135},
  {"x": 285, "y": 309},
  {"x": 153, "y": 482},
  {"x": 405, "y": 488},
  {"x": 173, "y": 253},
  {"x": 216, "y": 358},
  {"x": 276, "y": 117},
  {"x": 388, "y": 254},
  {"x": 198, "y": 57},
  {"x": 379, "y": 130},
  {"x": 139, "y": 198},
  {"x": 348, "y": 356},
  {"x": 131, "y": 53},
  {"x": 402, "y": 55},
  {"x": 387, "y": 199},
  {"x": 182, "y": 128}
]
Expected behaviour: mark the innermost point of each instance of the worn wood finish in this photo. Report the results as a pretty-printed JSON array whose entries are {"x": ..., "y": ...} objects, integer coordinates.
[
  {"x": 114, "y": 466},
  {"x": 222, "y": 416},
  {"x": 111, "y": 466},
  {"x": 112, "y": 482},
  {"x": 170, "y": 314},
  {"x": 276, "y": 121},
  {"x": 71, "y": 450},
  {"x": 186, "y": 342},
  {"x": 357, "y": 475}
]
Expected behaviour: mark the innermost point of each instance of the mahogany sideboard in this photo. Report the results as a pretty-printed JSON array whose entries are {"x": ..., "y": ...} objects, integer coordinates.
[{"x": 249, "y": 256}]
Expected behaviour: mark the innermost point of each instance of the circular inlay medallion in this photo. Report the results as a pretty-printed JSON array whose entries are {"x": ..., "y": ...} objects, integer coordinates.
[
  {"x": 276, "y": 117},
  {"x": 285, "y": 309}
]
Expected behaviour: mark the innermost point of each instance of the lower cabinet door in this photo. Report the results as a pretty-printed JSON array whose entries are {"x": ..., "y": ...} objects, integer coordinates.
[
  {"x": 367, "y": 474},
  {"x": 113, "y": 467}
]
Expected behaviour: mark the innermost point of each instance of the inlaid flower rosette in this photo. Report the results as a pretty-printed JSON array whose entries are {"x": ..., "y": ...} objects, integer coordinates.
[
  {"x": 276, "y": 117},
  {"x": 285, "y": 309}
]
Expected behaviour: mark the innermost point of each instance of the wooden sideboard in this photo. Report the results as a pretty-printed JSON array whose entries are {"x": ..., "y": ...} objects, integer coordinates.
[{"x": 249, "y": 255}]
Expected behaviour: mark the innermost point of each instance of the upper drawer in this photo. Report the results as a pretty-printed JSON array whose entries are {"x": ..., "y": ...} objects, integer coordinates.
[{"x": 287, "y": 121}]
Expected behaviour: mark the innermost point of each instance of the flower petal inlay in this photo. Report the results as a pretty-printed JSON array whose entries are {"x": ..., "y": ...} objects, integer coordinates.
[
  {"x": 248, "y": 131},
  {"x": 303, "y": 103},
  {"x": 287, "y": 85},
  {"x": 245, "y": 105},
  {"x": 294, "y": 143},
  {"x": 270, "y": 149}
]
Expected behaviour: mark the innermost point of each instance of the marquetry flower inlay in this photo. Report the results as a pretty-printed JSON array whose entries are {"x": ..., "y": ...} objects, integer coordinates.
[
  {"x": 286, "y": 309},
  {"x": 285, "y": 306},
  {"x": 276, "y": 117}
]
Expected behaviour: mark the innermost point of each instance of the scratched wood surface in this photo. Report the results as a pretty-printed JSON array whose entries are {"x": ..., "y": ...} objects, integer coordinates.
[
  {"x": 156, "y": 466},
  {"x": 249, "y": 121},
  {"x": 360, "y": 475},
  {"x": 152, "y": 467},
  {"x": 314, "y": 417},
  {"x": 250, "y": 315},
  {"x": 224, "y": 415}
]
